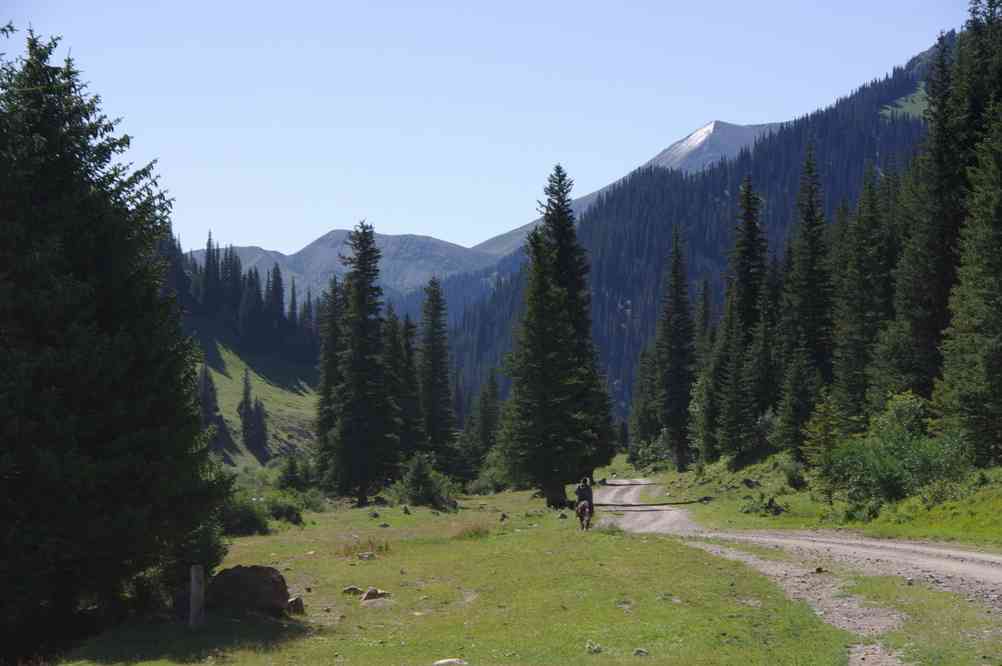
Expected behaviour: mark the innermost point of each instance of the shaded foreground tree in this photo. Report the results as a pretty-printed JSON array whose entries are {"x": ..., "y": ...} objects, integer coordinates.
[
  {"x": 104, "y": 469},
  {"x": 557, "y": 423}
]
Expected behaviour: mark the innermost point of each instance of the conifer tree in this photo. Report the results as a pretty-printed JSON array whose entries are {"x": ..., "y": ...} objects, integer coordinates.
[
  {"x": 858, "y": 310},
  {"x": 251, "y": 315},
  {"x": 557, "y": 423},
  {"x": 362, "y": 446},
  {"x": 293, "y": 315},
  {"x": 801, "y": 384},
  {"x": 412, "y": 438},
  {"x": 569, "y": 273},
  {"x": 969, "y": 395},
  {"x": 211, "y": 283},
  {"x": 807, "y": 290},
  {"x": 645, "y": 419},
  {"x": 760, "y": 367},
  {"x": 736, "y": 418},
  {"x": 436, "y": 395},
  {"x": 704, "y": 323},
  {"x": 537, "y": 436},
  {"x": 105, "y": 470},
  {"x": 207, "y": 396},
  {"x": 331, "y": 313},
  {"x": 748, "y": 261},
  {"x": 394, "y": 365},
  {"x": 676, "y": 357}
]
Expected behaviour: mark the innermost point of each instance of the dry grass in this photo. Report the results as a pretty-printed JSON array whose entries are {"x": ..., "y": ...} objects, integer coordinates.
[{"x": 370, "y": 545}]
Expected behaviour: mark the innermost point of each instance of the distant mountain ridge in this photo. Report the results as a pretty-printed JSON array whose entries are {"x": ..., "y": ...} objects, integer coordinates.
[
  {"x": 706, "y": 146},
  {"x": 408, "y": 261}
]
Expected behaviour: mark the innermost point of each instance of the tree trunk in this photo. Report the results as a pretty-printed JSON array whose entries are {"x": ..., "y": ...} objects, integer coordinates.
[{"x": 555, "y": 494}]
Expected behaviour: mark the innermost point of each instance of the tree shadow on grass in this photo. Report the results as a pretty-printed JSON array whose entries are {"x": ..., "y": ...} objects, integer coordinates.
[{"x": 175, "y": 642}]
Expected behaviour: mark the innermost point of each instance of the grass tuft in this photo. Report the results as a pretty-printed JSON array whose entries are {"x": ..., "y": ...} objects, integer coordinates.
[
  {"x": 369, "y": 545},
  {"x": 471, "y": 531}
]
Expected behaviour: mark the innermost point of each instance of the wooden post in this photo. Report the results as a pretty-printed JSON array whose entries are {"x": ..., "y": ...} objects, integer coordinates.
[{"x": 196, "y": 606}]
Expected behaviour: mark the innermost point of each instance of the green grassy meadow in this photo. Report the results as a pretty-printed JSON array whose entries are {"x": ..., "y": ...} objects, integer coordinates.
[
  {"x": 530, "y": 590},
  {"x": 913, "y": 105}
]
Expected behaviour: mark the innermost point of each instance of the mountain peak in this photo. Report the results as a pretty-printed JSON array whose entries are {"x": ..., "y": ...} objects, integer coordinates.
[{"x": 709, "y": 144}]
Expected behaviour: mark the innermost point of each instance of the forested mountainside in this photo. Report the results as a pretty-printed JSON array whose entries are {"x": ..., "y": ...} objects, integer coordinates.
[
  {"x": 711, "y": 143},
  {"x": 628, "y": 231}
]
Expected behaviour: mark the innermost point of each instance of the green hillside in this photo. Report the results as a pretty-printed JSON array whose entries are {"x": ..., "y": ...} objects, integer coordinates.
[
  {"x": 286, "y": 389},
  {"x": 913, "y": 105}
]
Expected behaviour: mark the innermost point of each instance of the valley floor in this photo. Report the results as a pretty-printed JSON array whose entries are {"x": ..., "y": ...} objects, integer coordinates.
[{"x": 531, "y": 588}]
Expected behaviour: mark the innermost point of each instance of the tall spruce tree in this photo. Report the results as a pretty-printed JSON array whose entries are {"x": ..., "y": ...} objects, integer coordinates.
[
  {"x": 557, "y": 423},
  {"x": 436, "y": 395},
  {"x": 676, "y": 357},
  {"x": 859, "y": 305},
  {"x": 362, "y": 448},
  {"x": 807, "y": 326},
  {"x": 569, "y": 273},
  {"x": 969, "y": 395},
  {"x": 807, "y": 294},
  {"x": 748, "y": 261},
  {"x": 736, "y": 420},
  {"x": 104, "y": 469}
]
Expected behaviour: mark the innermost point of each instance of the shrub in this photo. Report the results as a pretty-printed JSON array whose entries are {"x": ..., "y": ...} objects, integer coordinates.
[
  {"x": 895, "y": 458},
  {"x": 313, "y": 500},
  {"x": 422, "y": 485},
  {"x": 284, "y": 506},
  {"x": 244, "y": 515},
  {"x": 793, "y": 471},
  {"x": 763, "y": 506}
]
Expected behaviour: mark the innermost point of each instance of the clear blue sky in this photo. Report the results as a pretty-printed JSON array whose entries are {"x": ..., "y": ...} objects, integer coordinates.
[{"x": 277, "y": 122}]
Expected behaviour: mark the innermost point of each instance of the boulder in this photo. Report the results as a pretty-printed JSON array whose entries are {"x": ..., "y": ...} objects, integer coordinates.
[
  {"x": 384, "y": 524},
  {"x": 374, "y": 593},
  {"x": 373, "y": 514},
  {"x": 455, "y": 661},
  {"x": 253, "y": 588},
  {"x": 353, "y": 589},
  {"x": 296, "y": 606},
  {"x": 640, "y": 652},
  {"x": 367, "y": 555}
]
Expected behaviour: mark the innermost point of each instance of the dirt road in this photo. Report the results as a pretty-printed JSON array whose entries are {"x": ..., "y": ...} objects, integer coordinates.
[{"x": 975, "y": 575}]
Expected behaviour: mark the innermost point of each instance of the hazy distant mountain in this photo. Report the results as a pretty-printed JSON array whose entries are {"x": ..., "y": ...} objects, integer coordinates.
[
  {"x": 407, "y": 264},
  {"x": 705, "y": 147}
]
